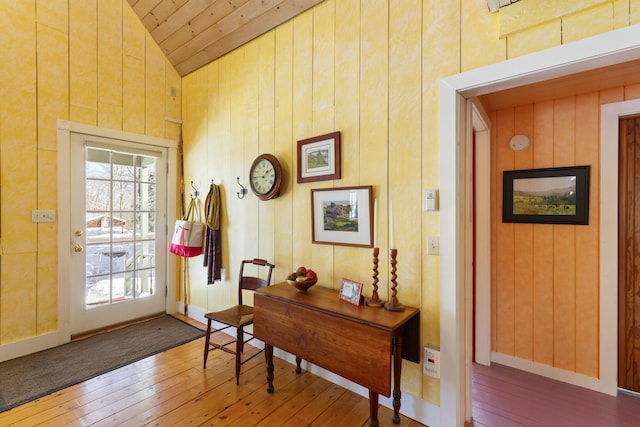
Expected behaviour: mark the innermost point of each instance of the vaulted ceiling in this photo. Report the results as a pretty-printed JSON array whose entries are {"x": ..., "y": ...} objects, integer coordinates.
[{"x": 192, "y": 33}]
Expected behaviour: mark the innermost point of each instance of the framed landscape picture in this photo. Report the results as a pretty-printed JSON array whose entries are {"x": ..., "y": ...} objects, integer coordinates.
[
  {"x": 319, "y": 158},
  {"x": 342, "y": 216},
  {"x": 546, "y": 196}
]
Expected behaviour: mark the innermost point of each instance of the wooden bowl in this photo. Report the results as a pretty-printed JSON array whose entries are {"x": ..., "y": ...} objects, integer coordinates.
[{"x": 302, "y": 285}]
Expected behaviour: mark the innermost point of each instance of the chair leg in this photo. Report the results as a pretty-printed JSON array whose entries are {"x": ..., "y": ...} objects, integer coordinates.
[
  {"x": 239, "y": 351},
  {"x": 206, "y": 344}
]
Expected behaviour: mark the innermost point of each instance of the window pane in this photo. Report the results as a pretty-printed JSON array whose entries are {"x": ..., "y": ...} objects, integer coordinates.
[
  {"x": 123, "y": 196},
  {"x": 122, "y": 257},
  {"x": 123, "y": 169},
  {"x": 146, "y": 169},
  {"x": 146, "y": 197},
  {"x": 98, "y": 195},
  {"x": 145, "y": 225},
  {"x": 146, "y": 283},
  {"x": 98, "y": 164}
]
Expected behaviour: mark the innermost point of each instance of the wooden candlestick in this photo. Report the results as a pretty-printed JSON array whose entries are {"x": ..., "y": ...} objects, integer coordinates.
[
  {"x": 393, "y": 304},
  {"x": 375, "y": 301}
]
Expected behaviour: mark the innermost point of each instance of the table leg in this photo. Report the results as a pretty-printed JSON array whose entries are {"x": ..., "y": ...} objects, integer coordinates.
[
  {"x": 268, "y": 356},
  {"x": 373, "y": 409},
  {"x": 397, "y": 376}
]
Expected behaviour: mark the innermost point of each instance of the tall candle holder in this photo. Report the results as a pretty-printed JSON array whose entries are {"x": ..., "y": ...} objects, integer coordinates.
[
  {"x": 375, "y": 301},
  {"x": 393, "y": 304}
]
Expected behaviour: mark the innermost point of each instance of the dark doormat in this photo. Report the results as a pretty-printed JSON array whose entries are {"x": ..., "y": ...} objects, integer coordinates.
[{"x": 29, "y": 377}]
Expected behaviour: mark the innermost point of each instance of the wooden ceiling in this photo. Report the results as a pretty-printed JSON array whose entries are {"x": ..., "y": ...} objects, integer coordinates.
[
  {"x": 609, "y": 77},
  {"x": 192, "y": 33}
]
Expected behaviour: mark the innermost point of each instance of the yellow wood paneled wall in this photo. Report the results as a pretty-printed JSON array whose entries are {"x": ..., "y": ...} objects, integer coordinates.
[
  {"x": 88, "y": 61},
  {"x": 327, "y": 69},
  {"x": 369, "y": 69}
]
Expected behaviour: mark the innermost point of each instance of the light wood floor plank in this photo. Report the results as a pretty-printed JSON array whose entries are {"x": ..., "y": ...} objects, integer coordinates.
[{"x": 172, "y": 389}]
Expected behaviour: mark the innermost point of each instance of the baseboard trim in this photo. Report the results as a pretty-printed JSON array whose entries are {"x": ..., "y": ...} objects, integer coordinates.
[
  {"x": 31, "y": 345},
  {"x": 548, "y": 371}
]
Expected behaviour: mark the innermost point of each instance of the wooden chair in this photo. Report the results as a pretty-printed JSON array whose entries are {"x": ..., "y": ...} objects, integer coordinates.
[{"x": 237, "y": 317}]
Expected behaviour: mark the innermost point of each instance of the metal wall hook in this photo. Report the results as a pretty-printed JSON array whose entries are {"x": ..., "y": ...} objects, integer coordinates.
[
  {"x": 243, "y": 189},
  {"x": 196, "y": 193}
]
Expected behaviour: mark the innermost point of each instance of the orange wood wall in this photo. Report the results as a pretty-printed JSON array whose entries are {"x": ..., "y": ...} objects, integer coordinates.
[{"x": 545, "y": 278}]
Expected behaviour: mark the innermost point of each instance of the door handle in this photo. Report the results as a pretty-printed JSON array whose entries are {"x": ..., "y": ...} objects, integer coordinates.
[{"x": 78, "y": 247}]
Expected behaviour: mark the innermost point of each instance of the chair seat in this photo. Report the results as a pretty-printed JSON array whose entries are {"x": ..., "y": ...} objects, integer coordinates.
[{"x": 239, "y": 315}]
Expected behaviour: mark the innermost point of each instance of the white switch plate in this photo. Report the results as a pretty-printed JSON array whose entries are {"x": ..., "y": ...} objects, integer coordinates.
[
  {"x": 41, "y": 215},
  {"x": 433, "y": 245},
  {"x": 431, "y": 200}
]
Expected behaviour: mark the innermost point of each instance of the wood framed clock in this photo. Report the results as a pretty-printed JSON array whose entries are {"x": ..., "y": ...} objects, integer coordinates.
[{"x": 265, "y": 177}]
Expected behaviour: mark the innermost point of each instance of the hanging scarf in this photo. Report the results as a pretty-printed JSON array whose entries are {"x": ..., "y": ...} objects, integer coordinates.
[{"x": 213, "y": 246}]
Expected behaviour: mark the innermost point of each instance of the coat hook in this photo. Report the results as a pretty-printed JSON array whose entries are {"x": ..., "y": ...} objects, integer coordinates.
[
  {"x": 243, "y": 189},
  {"x": 196, "y": 193}
]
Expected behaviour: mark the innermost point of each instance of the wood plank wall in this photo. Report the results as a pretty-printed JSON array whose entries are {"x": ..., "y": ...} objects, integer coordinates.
[
  {"x": 545, "y": 278},
  {"x": 535, "y": 296}
]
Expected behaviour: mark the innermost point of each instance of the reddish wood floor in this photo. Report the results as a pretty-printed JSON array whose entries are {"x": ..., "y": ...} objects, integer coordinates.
[{"x": 507, "y": 397}]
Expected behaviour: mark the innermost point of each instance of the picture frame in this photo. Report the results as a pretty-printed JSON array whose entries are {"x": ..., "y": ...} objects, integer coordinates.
[
  {"x": 351, "y": 291},
  {"x": 546, "y": 196},
  {"x": 342, "y": 216},
  {"x": 319, "y": 158}
]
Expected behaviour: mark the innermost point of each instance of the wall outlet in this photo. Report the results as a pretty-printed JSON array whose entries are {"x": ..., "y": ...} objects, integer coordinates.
[{"x": 431, "y": 362}]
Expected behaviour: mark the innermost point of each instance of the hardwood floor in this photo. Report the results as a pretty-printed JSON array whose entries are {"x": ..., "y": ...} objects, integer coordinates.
[
  {"x": 507, "y": 397},
  {"x": 172, "y": 389}
]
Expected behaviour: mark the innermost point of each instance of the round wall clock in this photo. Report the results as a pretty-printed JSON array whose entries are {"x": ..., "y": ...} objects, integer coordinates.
[{"x": 265, "y": 177}]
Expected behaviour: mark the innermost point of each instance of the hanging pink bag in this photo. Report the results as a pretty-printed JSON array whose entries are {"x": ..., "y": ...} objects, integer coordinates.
[{"x": 188, "y": 234}]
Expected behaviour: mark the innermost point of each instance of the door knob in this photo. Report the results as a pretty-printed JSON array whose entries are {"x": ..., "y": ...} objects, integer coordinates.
[{"x": 78, "y": 248}]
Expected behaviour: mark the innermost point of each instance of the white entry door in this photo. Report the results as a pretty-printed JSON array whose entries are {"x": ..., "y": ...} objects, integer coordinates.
[{"x": 118, "y": 231}]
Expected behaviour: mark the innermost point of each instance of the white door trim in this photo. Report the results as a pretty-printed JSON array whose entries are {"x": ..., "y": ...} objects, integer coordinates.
[
  {"x": 65, "y": 129},
  {"x": 482, "y": 135},
  {"x": 606, "y": 49}
]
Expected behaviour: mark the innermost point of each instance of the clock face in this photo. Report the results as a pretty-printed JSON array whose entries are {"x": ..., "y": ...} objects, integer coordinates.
[{"x": 265, "y": 177}]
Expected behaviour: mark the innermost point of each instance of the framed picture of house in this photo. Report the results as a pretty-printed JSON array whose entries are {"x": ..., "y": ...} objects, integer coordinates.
[
  {"x": 342, "y": 216},
  {"x": 546, "y": 196},
  {"x": 319, "y": 158}
]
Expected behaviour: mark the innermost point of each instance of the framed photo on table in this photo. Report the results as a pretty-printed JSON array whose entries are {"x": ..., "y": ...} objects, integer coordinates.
[
  {"x": 319, "y": 158},
  {"x": 351, "y": 291},
  {"x": 342, "y": 216}
]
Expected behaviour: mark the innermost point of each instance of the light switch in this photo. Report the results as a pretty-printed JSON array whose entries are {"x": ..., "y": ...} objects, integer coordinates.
[
  {"x": 431, "y": 200},
  {"x": 433, "y": 245}
]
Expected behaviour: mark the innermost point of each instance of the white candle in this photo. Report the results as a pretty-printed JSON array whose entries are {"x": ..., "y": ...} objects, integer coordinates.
[
  {"x": 391, "y": 240},
  {"x": 375, "y": 224}
]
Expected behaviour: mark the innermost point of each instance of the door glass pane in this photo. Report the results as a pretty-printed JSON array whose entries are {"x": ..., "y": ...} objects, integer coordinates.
[
  {"x": 98, "y": 195},
  {"x": 120, "y": 226}
]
